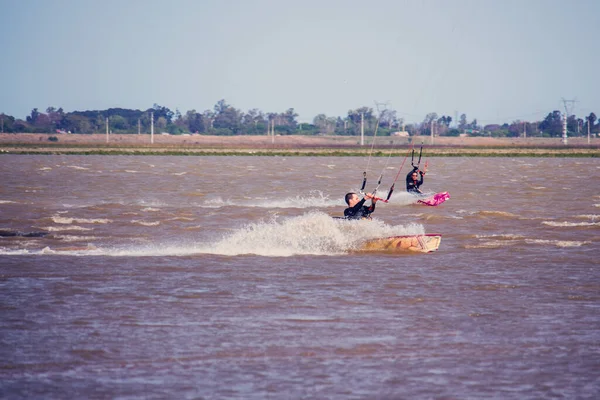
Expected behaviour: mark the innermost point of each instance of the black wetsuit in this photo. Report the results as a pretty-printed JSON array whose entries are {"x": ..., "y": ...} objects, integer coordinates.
[
  {"x": 412, "y": 185},
  {"x": 359, "y": 210}
]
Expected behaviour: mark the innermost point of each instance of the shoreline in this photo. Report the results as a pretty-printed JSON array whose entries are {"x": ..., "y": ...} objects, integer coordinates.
[{"x": 293, "y": 145}]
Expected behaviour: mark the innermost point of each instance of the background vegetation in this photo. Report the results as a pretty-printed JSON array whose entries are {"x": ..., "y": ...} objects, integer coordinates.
[{"x": 225, "y": 119}]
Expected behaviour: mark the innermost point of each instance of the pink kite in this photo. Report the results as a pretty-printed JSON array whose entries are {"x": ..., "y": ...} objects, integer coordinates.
[{"x": 436, "y": 199}]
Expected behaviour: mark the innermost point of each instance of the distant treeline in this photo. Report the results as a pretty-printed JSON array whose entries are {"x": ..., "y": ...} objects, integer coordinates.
[{"x": 224, "y": 119}]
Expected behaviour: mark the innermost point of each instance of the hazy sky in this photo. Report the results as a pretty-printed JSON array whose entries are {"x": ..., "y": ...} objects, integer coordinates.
[{"x": 494, "y": 60}]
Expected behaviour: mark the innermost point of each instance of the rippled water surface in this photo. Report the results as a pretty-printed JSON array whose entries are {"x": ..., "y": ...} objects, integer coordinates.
[{"x": 226, "y": 277}]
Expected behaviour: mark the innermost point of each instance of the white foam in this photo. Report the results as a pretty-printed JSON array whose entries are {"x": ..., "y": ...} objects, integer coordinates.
[
  {"x": 566, "y": 224},
  {"x": 181, "y": 219},
  {"x": 399, "y": 197},
  {"x": 66, "y": 228},
  {"x": 558, "y": 243},
  {"x": 71, "y": 220},
  {"x": 593, "y": 217},
  {"x": 497, "y": 213},
  {"x": 13, "y": 252},
  {"x": 145, "y": 223},
  {"x": 492, "y": 244},
  {"x": 509, "y": 236},
  {"x": 314, "y": 233},
  {"x": 73, "y": 238}
]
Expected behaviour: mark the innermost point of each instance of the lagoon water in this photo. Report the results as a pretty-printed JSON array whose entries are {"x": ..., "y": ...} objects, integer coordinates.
[{"x": 227, "y": 278}]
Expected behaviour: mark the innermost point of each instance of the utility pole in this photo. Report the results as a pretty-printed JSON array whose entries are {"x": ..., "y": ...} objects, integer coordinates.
[
  {"x": 273, "y": 131},
  {"x": 432, "y": 131},
  {"x": 524, "y": 130},
  {"x": 362, "y": 128},
  {"x": 106, "y": 129},
  {"x": 588, "y": 124},
  {"x": 568, "y": 104},
  {"x": 152, "y": 128},
  {"x": 139, "y": 126}
]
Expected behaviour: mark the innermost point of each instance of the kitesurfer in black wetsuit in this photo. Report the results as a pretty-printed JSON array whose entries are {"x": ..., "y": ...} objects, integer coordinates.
[
  {"x": 413, "y": 182},
  {"x": 356, "y": 207}
]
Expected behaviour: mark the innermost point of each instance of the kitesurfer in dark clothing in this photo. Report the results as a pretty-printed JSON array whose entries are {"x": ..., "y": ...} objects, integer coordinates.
[
  {"x": 356, "y": 207},
  {"x": 413, "y": 182}
]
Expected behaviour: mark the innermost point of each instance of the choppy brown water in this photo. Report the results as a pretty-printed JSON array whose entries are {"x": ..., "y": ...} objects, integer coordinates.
[{"x": 225, "y": 277}]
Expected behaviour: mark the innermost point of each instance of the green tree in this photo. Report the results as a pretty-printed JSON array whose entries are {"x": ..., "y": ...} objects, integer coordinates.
[
  {"x": 6, "y": 123},
  {"x": 356, "y": 116},
  {"x": 118, "y": 123},
  {"x": 590, "y": 120},
  {"x": 324, "y": 124},
  {"x": 21, "y": 126},
  {"x": 516, "y": 129},
  {"x": 77, "y": 123},
  {"x": 160, "y": 111},
  {"x": 462, "y": 123},
  {"x": 572, "y": 125},
  {"x": 195, "y": 122},
  {"x": 254, "y": 122},
  {"x": 445, "y": 120},
  {"x": 227, "y": 117},
  {"x": 290, "y": 118},
  {"x": 552, "y": 124},
  {"x": 33, "y": 116},
  {"x": 161, "y": 122}
]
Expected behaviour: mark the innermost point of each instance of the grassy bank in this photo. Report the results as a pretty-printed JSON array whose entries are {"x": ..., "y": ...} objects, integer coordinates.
[
  {"x": 347, "y": 152},
  {"x": 293, "y": 146}
]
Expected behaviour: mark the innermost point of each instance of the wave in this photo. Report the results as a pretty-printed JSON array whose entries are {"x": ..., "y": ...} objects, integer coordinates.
[
  {"x": 400, "y": 198},
  {"x": 145, "y": 223},
  {"x": 508, "y": 236},
  {"x": 73, "y": 238},
  {"x": 66, "y": 228},
  {"x": 566, "y": 224},
  {"x": 439, "y": 217},
  {"x": 494, "y": 244},
  {"x": 496, "y": 213},
  {"x": 314, "y": 233},
  {"x": 496, "y": 240},
  {"x": 71, "y": 220},
  {"x": 507, "y": 240},
  {"x": 181, "y": 219},
  {"x": 593, "y": 217},
  {"x": 558, "y": 243}
]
